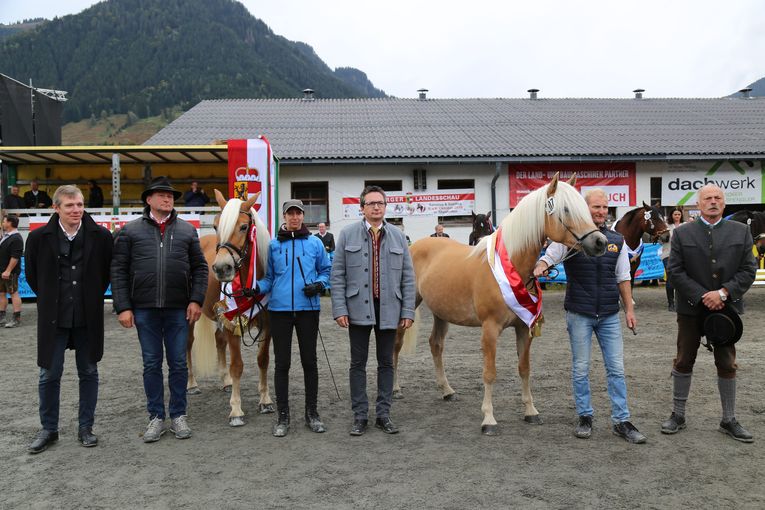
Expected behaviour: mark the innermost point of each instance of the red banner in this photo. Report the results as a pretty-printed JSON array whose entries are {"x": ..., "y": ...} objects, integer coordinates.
[{"x": 616, "y": 179}]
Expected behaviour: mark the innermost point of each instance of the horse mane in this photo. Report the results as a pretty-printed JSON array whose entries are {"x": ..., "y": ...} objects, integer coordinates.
[
  {"x": 524, "y": 227},
  {"x": 228, "y": 220}
]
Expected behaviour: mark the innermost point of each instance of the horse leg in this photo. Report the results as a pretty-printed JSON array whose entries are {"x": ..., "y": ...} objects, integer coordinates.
[
  {"x": 221, "y": 342},
  {"x": 266, "y": 405},
  {"x": 192, "y": 388},
  {"x": 236, "y": 417},
  {"x": 489, "y": 333},
  {"x": 437, "y": 337},
  {"x": 523, "y": 344}
]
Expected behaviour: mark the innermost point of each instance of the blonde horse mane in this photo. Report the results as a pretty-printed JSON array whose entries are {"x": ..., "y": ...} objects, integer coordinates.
[
  {"x": 229, "y": 218},
  {"x": 525, "y": 225}
]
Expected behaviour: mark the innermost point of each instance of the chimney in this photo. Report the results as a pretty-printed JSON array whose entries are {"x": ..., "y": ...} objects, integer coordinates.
[
  {"x": 423, "y": 94},
  {"x": 308, "y": 95},
  {"x": 532, "y": 93},
  {"x": 745, "y": 93},
  {"x": 638, "y": 93}
]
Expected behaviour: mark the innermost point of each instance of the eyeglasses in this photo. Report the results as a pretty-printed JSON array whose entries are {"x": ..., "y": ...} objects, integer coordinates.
[{"x": 375, "y": 204}]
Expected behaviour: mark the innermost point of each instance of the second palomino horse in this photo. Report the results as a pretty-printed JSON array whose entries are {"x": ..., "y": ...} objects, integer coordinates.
[{"x": 493, "y": 276}]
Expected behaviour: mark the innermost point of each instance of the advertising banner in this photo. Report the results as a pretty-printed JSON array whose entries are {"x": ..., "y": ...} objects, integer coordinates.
[
  {"x": 453, "y": 202},
  {"x": 740, "y": 180},
  {"x": 616, "y": 179},
  {"x": 252, "y": 168}
]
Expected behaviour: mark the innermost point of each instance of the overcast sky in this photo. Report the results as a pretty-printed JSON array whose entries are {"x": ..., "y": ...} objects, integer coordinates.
[{"x": 501, "y": 48}]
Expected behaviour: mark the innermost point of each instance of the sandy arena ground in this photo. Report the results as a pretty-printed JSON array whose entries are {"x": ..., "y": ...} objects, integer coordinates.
[{"x": 439, "y": 460}]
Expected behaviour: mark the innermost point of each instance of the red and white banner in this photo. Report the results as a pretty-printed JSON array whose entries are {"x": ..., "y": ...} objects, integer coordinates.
[
  {"x": 616, "y": 179},
  {"x": 453, "y": 202},
  {"x": 252, "y": 168},
  {"x": 113, "y": 222}
]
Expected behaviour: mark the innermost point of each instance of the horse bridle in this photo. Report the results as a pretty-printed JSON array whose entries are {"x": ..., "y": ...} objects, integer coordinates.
[
  {"x": 240, "y": 252},
  {"x": 648, "y": 219}
]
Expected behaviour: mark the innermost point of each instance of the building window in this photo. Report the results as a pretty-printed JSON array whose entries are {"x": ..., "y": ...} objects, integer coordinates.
[
  {"x": 456, "y": 184},
  {"x": 656, "y": 191},
  {"x": 385, "y": 185},
  {"x": 315, "y": 198}
]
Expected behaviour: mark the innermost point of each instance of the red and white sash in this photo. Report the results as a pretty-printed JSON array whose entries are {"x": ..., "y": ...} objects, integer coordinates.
[
  {"x": 525, "y": 305},
  {"x": 242, "y": 305}
]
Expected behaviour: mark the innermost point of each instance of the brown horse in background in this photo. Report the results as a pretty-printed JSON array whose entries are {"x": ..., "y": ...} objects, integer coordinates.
[
  {"x": 636, "y": 222},
  {"x": 233, "y": 235},
  {"x": 472, "y": 296}
]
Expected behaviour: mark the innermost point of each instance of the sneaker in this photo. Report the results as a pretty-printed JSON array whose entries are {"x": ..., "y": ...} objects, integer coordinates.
[
  {"x": 674, "y": 424},
  {"x": 734, "y": 429},
  {"x": 628, "y": 431},
  {"x": 180, "y": 427},
  {"x": 154, "y": 430},
  {"x": 583, "y": 428},
  {"x": 12, "y": 323}
]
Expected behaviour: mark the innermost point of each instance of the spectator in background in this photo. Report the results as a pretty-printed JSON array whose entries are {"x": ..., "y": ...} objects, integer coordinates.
[
  {"x": 96, "y": 197},
  {"x": 439, "y": 232},
  {"x": 327, "y": 239},
  {"x": 36, "y": 198},
  {"x": 14, "y": 200},
  {"x": 11, "y": 251},
  {"x": 195, "y": 197},
  {"x": 677, "y": 220}
]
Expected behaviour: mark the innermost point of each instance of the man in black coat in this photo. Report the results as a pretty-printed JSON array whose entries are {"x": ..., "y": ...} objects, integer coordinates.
[
  {"x": 67, "y": 266},
  {"x": 711, "y": 266},
  {"x": 36, "y": 198},
  {"x": 96, "y": 197},
  {"x": 13, "y": 200}
]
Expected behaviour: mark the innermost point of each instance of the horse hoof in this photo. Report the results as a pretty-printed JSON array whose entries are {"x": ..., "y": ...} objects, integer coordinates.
[
  {"x": 533, "y": 419},
  {"x": 227, "y": 388},
  {"x": 452, "y": 397},
  {"x": 489, "y": 430},
  {"x": 194, "y": 390},
  {"x": 398, "y": 395},
  {"x": 265, "y": 408},
  {"x": 236, "y": 421}
]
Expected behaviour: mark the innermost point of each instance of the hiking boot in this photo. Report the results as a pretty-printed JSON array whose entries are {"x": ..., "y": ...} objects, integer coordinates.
[
  {"x": 180, "y": 427},
  {"x": 734, "y": 429},
  {"x": 583, "y": 428},
  {"x": 313, "y": 422},
  {"x": 359, "y": 427},
  {"x": 282, "y": 425},
  {"x": 154, "y": 430},
  {"x": 628, "y": 431},
  {"x": 674, "y": 424}
]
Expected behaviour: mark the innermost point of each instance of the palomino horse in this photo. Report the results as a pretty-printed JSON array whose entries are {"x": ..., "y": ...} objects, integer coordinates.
[
  {"x": 472, "y": 295},
  {"x": 635, "y": 223},
  {"x": 226, "y": 253},
  {"x": 482, "y": 227}
]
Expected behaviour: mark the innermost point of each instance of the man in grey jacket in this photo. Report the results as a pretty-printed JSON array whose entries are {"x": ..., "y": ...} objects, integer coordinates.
[
  {"x": 710, "y": 266},
  {"x": 372, "y": 288}
]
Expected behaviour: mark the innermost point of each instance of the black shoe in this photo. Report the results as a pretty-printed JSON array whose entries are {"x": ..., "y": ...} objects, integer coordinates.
[
  {"x": 583, "y": 428},
  {"x": 628, "y": 431},
  {"x": 86, "y": 437},
  {"x": 359, "y": 427},
  {"x": 386, "y": 425},
  {"x": 43, "y": 440},
  {"x": 736, "y": 431},
  {"x": 282, "y": 425},
  {"x": 671, "y": 307},
  {"x": 313, "y": 422},
  {"x": 674, "y": 424}
]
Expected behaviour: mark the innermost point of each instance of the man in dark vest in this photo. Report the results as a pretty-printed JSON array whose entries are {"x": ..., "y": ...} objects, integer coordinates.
[
  {"x": 67, "y": 266},
  {"x": 36, "y": 198},
  {"x": 711, "y": 265},
  {"x": 593, "y": 288}
]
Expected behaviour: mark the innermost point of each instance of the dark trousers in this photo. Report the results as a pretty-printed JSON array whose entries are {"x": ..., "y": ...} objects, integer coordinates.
[
  {"x": 668, "y": 287},
  {"x": 50, "y": 380},
  {"x": 688, "y": 341},
  {"x": 385, "y": 340},
  {"x": 306, "y": 325}
]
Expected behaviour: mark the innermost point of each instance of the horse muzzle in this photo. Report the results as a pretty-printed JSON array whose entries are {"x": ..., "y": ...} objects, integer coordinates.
[
  {"x": 224, "y": 271},
  {"x": 594, "y": 244}
]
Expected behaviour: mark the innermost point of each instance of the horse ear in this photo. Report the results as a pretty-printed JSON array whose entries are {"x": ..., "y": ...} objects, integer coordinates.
[
  {"x": 219, "y": 198},
  {"x": 472, "y": 213},
  {"x": 646, "y": 206},
  {"x": 488, "y": 215},
  {"x": 572, "y": 180},
  {"x": 248, "y": 204},
  {"x": 553, "y": 186}
]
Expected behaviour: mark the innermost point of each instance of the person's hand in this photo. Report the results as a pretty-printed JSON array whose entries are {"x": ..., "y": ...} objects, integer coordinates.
[
  {"x": 630, "y": 319},
  {"x": 6, "y": 275},
  {"x": 313, "y": 289},
  {"x": 342, "y": 321},
  {"x": 540, "y": 269},
  {"x": 126, "y": 318},
  {"x": 405, "y": 323},
  {"x": 713, "y": 301},
  {"x": 193, "y": 312}
]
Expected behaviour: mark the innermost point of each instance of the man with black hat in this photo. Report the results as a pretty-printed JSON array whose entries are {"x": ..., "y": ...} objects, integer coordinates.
[
  {"x": 159, "y": 280},
  {"x": 711, "y": 266}
]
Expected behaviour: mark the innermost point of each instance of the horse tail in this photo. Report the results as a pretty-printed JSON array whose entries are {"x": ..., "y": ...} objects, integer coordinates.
[
  {"x": 203, "y": 351},
  {"x": 410, "y": 336}
]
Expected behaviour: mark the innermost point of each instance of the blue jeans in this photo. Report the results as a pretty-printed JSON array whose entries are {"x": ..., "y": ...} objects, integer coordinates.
[
  {"x": 158, "y": 327},
  {"x": 49, "y": 385},
  {"x": 608, "y": 331}
]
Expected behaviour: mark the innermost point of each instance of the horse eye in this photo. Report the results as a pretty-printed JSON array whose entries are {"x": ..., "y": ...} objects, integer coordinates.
[
  {"x": 243, "y": 228},
  {"x": 565, "y": 210}
]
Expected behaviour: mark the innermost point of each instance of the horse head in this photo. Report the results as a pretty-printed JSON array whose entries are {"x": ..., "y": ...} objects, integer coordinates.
[
  {"x": 234, "y": 243},
  {"x": 654, "y": 224},
  {"x": 482, "y": 225},
  {"x": 568, "y": 219}
]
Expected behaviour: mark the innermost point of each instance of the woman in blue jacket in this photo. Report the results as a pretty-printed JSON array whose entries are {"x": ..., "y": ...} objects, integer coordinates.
[{"x": 298, "y": 271}]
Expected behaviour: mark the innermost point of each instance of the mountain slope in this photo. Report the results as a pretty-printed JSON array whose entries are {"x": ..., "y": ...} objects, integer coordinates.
[{"x": 143, "y": 56}]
